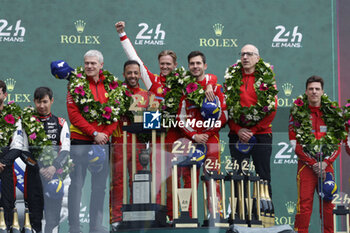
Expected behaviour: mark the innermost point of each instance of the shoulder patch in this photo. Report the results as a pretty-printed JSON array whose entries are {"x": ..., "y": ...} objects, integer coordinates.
[
  {"x": 61, "y": 121},
  {"x": 159, "y": 90}
]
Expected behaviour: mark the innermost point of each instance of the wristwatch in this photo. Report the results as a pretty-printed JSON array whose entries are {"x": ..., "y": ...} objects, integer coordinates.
[{"x": 95, "y": 133}]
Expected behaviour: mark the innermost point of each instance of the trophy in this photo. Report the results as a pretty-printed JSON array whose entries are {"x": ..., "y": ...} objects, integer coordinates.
[
  {"x": 144, "y": 212},
  {"x": 253, "y": 201},
  {"x": 142, "y": 180},
  {"x": 216, "y": 220},
  {"x": 237, "y": 216},
  {"x": 183, "y": 196}
]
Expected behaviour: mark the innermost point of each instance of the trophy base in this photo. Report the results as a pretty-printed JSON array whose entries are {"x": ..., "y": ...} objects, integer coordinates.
[
  {"x": 143, "y": 216},
  {"x": 185, "y": 221},
  {"x": 217, "y": 222},
  {"x": 238, "y": 222},
  {"x": 255, "y": 224}
]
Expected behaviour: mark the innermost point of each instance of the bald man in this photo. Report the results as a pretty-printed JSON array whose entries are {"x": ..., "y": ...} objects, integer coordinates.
[{"x": 261, "y": 152}]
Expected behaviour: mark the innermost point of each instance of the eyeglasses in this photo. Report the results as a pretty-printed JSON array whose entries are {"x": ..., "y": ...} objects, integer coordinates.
[{"x": 249, "y": 54}]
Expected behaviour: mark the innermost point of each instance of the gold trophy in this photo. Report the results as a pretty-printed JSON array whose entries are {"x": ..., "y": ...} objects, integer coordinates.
[
  {"x": 253, "y": 201},
  {"x": 144, "y": 212},
  {"x": 216, "y": 219},
  {"x": 236, "y": 199},
  {"x": 182, "y": 196}
]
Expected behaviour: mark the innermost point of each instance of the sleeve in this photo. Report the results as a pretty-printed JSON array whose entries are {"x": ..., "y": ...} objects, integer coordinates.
[
  {"x": 146, "y": 75},
  {"x": 108, "y": 129},
  {"x": 61, "y": 159},
  {"x": 234, "y": 127},
  {"x": 212, "y": 80},
  {"x": 182, "y": 116},
  {"x": 19, "y": 142},
  {"x": 305, "y": 157},
  {"x": 330, "y": 159},
  {"x": 76, "y": 118}
]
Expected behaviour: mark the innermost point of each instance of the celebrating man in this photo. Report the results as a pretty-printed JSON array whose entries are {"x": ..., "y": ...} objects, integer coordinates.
[
  {"x": 252, "y": 103},
  {"x": 157, "y": 85},
  {"x": 39, "y": 170},
  {"x": 316, "y": 129},
  {"x": 167, "y": 63},
  {"x": 11, "y": 144},
  {"x": 92, "y": 123}
]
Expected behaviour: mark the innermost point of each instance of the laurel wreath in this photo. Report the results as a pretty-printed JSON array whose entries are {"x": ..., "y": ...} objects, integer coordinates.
[
  {"x": 333, "y": 118},
  {"x": 265, "y": 89},
  {"x": 178, "y": 83},
  {"x": 119, "y": 97},
  {"x": 8, "y": 119},
  {"x": 346, "y": 113},
  {"x": 37, "y": 138},
  {"x": 40, "y": 146}
]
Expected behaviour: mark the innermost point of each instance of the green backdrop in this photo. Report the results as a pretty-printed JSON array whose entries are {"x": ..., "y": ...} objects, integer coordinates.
[{"x": 297, "y": 37}]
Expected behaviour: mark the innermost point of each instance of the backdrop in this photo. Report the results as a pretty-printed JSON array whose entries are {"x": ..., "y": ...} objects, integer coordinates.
[{"x": 298, "y": 37}]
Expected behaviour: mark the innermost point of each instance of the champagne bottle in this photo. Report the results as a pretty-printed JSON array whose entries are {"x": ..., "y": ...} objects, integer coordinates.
[
  {"x": 15, "y": 228},
  {"x": 3, "y": 228},
  {"x": 27, "y": 228}
]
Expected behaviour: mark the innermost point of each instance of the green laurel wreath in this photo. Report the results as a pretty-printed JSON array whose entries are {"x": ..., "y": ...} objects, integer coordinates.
[
  {"x": 332, "y": 117},
  {"x": 119, "y": 97},
  {"x": 8, "y": 119},
  {"x": 265, "y": 89}
]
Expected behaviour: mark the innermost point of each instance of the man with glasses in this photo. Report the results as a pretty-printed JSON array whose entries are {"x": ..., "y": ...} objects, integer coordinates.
[{"x": 244, "y": 131}]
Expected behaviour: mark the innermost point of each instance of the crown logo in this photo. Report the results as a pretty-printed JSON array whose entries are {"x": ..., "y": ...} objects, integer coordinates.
[
  {"x": 10, "y": 84},
  {"x": 79, "y": 25},
  {"x": 290, "y": 207},
  {"x": 222, "y": 146},
  {"x": 218, "y": 28},
  {"x": 287, "y": 89}
]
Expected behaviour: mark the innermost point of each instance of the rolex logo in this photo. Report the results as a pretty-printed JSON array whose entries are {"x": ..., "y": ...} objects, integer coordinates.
[
  {"x": 79, "y": 25},
  {"x": 10, "y": 84},
  {"x": 287, "y": 89},
  {"x": 218, "y": 28},
  {"x": 290, "y": 207}
]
